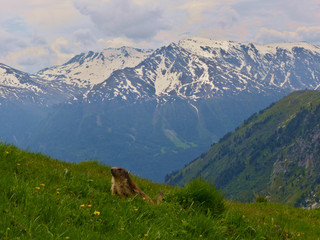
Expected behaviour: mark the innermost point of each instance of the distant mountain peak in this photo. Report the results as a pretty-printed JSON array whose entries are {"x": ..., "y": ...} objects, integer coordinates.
[
  {"x": 20, "y": 87},
  {"x": 87, "y": 69}
]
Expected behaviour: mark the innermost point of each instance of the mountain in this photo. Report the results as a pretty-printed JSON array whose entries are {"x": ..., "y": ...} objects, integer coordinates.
[
  {"x": 275, "y": 153},
  {"x": 162, "y": 113},
  {"x": 57, "y": 84},
  {"x": 26, "y": 99},
  {"x": 87, "y": 69},
  {"x": 20, "y": 87},
  {"x": 199, "y": 68}
]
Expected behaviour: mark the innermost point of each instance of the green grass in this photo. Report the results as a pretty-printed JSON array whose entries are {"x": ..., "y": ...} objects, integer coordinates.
[{"x": 43, "y": 198}]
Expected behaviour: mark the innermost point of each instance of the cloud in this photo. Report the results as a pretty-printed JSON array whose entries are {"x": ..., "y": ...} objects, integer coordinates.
[
  {"x": 84, "y": 38},
  {"x": 34, "y": 58},
  {"x": 117, "y": 42},
  {"x": 310, "y": 34},
  {"x": 47, "y": 16},
  {"x": 123, "y": 18},
  {"x": 8, "y": 43},
  {"x": 31, "y": 58},
  {"x": 54, "y": 31},
  {"x": 195, "y": 9}
]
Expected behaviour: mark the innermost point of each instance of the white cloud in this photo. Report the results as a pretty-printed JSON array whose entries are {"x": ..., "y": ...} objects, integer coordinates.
[
  {"x": 28, "y": 57},
  {"x": 195, "y": 9},
  {"x": 34, "y": 58},
  {"x": 53, "y": 31},
  {"x": 8, "y": 43},
  {"x": 123, "y": 18},
  {"x": 310, "y": 34},
  {"x": 84, "y": 38},
  {"x": 61, "y": 49},
  {"x": 117, "y": 43},
  {"x": 48, "y": 15}
]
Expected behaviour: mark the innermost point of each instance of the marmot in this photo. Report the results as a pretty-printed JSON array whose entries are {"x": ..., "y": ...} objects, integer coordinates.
[{"x": 123, "y": 186}]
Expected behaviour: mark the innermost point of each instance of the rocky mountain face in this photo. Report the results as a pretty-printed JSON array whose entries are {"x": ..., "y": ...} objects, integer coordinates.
[
  {"x": 201, "y": 69},
  {"x": 274, "y": 154},
  {"x": 87, "y": 69},
  {"x": 24, "y": 88},
  {"x": 154, "y": 111},
  {"x": 57, "y": 84}
]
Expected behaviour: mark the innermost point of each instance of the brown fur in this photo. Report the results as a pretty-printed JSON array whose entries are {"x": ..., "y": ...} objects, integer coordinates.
[{"x": 123, "y": 186}]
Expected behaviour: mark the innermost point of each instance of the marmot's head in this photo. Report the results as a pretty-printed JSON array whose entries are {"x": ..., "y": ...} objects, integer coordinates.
[{"x": 118, "y": 172}]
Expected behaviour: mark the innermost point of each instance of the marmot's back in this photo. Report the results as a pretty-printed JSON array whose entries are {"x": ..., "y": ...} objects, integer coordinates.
[{"x": 122, "y": 185}]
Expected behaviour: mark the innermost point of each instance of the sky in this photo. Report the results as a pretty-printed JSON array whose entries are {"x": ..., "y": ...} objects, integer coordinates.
[{"x": 36, "y": 34}]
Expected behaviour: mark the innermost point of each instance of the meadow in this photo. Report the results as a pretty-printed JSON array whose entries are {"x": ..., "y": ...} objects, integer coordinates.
[{"x": 44, "y": 198}]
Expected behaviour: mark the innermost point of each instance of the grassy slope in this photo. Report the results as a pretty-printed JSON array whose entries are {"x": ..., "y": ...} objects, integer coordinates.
[
  {"x": 242, "y": 162},
  {"x": 42, "y": 198}
]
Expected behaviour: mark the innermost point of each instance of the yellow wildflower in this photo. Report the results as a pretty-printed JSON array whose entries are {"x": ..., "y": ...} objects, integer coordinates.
[
  {"x": 89, "y": 205},
  {"x": 143, "y": 198},
  {"x": 37, "y": 188},
  {"x": 58, "y": 193},
  {"x": 200, "y": 235},
  {"x": 42, "y": 185},
  {"x": 146, "y": 235},
  {"x": 82, "y": 205},
  {"x": 7, "y": 152},
  {"x": 96, "y": 212},
  {"x": 122, "y": 229},
  {"x": 298, "y": 234},
  {"x": 18, "y": 164}
]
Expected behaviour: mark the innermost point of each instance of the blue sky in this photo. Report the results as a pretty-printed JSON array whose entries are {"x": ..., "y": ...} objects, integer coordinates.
[{"x": 35, "y": 34}]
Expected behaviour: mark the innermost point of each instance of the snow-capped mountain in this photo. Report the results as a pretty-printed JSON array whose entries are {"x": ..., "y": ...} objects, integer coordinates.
[
  {"x": 153, "y": 111},
  {"x": 193, "y": 68},
  {"x": 197, "y": 68},
  {"x": 59, "y": 83},
  {"x": 88, "y": 69},
  {"x": 20, "y": 87}
]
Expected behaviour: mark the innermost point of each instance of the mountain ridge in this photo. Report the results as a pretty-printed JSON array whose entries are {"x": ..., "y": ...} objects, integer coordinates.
[
  {"x": 190, "y": 70},
  {"x": 88, "y": 69}
]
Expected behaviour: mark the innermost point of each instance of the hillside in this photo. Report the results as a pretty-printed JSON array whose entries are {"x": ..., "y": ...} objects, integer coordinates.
[
  {"x": 274, "y": 153},
  {"x": 43, "y": 198}
]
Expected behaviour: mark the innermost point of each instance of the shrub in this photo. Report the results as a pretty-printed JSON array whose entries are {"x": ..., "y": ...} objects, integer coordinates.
[
  {"x": 261, "y": 199},
  {"x": 201, "y": 195}
]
